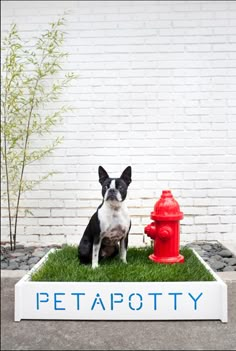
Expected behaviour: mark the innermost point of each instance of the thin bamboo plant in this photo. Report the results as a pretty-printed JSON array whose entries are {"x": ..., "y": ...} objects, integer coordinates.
[{"x": 30, "y": 81}]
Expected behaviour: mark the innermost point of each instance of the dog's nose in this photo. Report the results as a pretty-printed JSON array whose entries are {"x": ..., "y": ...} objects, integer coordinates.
[{"x": 112, "y": 191}]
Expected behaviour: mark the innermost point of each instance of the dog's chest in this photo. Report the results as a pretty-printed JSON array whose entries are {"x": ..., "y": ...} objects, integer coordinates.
[{"x": 114, "y": 224}]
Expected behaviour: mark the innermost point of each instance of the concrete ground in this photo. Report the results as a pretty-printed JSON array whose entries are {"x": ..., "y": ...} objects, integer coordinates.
[{"x": 116, "y": 335}]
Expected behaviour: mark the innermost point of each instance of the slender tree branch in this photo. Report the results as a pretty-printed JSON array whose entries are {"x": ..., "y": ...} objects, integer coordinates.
[
  {"x": 5, "y": 114},
  {"x": 7, "y": 174}
]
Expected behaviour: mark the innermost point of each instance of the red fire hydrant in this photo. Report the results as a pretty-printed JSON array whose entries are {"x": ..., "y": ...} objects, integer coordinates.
[{"x": 165, "y": 229}]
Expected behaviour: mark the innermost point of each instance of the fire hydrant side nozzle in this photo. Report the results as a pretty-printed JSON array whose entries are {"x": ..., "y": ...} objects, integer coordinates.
[
  {"x": 150, "y": 230},
  {"x": 165, "y": 229}
]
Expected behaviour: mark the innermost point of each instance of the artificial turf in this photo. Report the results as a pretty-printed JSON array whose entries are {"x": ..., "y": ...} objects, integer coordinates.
[{"x": 63, "y": 265}]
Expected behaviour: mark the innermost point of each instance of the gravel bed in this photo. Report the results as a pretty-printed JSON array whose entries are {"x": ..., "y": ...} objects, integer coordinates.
[{"x": 219, "y": 258}]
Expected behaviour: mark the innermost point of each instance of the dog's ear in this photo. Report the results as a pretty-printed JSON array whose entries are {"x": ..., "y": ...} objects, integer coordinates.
[
  {"x": 126, "y": 175},
  {"x": 102, "y": 174}
]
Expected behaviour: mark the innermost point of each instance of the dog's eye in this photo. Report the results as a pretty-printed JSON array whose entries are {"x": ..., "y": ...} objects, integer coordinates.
[{"x": 105, "y": 187}]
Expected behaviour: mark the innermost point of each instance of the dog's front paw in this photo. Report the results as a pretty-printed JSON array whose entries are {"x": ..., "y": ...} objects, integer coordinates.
[
  {"x": 94, "y": 265},
  {"x": 124, "y": 260}
]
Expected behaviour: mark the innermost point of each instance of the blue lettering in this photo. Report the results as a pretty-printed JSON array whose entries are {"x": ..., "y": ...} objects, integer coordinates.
[
  {"x": 116, "y": 301},
  {"x": 78, "y": 295},
  {"x": 195, "y": 300},
  {"x": 38, "y": 300},
  {"x": 97, "y": 301},
  {"x": 155, "y": 299},
  {"x": 58, "y": 301},
  {"x": 175, "y": 298},
  {"x": 140, "y": 302}
]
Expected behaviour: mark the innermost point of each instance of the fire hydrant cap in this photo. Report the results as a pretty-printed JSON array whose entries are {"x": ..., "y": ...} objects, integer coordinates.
[{"x": 167, "y": 208}]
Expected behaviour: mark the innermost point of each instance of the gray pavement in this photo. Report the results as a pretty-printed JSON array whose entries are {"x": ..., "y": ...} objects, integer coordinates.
[{"x": 115, "y": 335}]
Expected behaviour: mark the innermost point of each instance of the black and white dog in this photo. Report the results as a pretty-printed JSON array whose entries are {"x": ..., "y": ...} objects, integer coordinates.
[{"x": 110, "y": 224}]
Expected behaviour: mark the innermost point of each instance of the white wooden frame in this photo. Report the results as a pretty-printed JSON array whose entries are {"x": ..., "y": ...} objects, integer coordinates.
[{"x": 198, "y": 300}]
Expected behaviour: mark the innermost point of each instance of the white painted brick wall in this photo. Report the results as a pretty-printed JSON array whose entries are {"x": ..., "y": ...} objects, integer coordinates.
[{"x": 156, "y": 91}]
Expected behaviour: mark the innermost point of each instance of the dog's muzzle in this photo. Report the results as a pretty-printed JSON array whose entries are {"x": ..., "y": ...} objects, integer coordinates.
[{"x": 112, "y": 195}]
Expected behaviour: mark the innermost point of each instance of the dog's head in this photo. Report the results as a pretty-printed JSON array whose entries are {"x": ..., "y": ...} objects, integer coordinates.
[{"x": 114, "y": 189}]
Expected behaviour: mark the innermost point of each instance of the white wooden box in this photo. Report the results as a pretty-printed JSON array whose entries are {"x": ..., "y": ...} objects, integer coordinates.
[{"x": 199, "y": 300}]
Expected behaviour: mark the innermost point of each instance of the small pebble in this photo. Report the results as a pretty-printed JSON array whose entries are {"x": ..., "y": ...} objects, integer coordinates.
[
  {"x": 225, "y": 253},
  {"x": 232, "y": 261},
  {"x": 207, "y": 247}
]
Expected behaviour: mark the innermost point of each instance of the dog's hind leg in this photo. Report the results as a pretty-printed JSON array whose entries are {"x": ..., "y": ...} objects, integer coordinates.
[
  {"x": 85, "y": 252},
  {"x": 123, "y": 248}
]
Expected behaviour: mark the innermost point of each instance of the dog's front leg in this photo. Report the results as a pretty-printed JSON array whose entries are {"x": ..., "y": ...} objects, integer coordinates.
[
  {"x": 123, "y": 249},
  {"x": 96, "y": 248}
]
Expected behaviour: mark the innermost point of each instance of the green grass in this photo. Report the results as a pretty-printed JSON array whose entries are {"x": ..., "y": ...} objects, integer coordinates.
[{"x": 63, "y": 265}]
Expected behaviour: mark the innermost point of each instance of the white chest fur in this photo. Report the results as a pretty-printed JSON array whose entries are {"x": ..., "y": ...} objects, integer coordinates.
[{"x": 114, "y": 222}]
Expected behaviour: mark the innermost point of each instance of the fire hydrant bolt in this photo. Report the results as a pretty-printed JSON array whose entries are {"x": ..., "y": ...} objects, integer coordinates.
[
  {"x": 165, "y": 232},
  {"x": 164, "y": 229}
]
